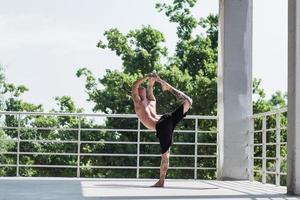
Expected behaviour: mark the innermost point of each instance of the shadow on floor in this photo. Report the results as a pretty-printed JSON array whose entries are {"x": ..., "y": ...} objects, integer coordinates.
[{"x": 149, "y": 187}]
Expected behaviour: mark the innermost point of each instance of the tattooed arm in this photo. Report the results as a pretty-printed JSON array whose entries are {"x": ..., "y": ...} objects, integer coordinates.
[{"x": 134, "y": 89}]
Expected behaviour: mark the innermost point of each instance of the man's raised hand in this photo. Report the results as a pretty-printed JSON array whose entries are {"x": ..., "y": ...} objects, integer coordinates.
[
  {"x": 152, "y": 75},
  {"x": 151, "y": 81}
]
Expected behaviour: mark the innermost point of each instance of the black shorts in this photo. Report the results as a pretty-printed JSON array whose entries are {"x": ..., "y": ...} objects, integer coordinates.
[{"x": 165, "y": 127}]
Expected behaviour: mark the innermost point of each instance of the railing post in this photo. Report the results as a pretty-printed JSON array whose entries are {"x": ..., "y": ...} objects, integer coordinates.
[
  {"x": 278, "y": 149},
  {"x": 264, "y": 149},
  {"x": 251, "y": 150},
  {"x": 218, "y": 149},
  {"x": 138, "y": 150},
  {"x": 196, "y": 149},
  {"x": 78, "y": 146},
  {"x": 18, "y": 144}
]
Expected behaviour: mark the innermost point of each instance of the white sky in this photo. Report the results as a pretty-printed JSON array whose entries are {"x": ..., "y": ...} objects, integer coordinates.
[{"x": 43, "y": 43}]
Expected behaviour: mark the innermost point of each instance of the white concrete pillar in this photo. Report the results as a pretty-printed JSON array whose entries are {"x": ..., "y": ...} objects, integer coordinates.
[
  {"x": 293, "y": 139},
  {"x": 234, "y": 87}
]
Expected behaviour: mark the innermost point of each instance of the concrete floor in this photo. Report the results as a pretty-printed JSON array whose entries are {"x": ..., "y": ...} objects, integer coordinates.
[{"x": 112, "y": 189}]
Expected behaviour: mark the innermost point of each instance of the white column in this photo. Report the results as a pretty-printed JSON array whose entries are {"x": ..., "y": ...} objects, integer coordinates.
[
  {"x": 293, "y": 140},
  {"x": 234, "y": 87}
]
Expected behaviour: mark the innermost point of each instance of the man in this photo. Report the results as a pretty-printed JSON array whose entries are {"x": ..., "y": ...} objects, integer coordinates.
[{"x": 145, "y": 108}]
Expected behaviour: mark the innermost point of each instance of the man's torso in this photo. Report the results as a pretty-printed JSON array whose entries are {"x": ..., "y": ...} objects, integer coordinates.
[{"x": 146, "y": 111}]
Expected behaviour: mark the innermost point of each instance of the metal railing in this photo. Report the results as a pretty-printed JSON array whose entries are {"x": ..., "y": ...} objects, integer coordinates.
[
  {"x": 268, "y": 130},
  {"x": 19, "y": 140}
]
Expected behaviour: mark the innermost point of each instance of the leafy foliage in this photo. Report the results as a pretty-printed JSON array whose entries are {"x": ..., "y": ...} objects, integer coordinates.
[{"x": 192, "y": 68}]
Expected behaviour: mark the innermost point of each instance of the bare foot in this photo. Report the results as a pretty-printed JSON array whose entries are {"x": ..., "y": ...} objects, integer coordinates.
[
  {"x": 164, "y": 86},
  {"x": 158, "y": 184}
]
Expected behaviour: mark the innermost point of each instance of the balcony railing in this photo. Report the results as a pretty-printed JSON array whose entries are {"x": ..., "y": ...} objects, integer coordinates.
[
  {"x": 268, "y": 147},
  {"x": 20, "y": 138},
  {"x": 267, "y": 142}
]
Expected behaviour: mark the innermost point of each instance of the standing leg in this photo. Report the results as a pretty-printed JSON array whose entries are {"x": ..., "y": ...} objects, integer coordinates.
[{"x": 164, "y": 165}]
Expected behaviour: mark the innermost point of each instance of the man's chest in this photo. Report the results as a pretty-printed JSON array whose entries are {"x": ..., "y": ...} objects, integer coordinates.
[{"x": 145, "y": 106}]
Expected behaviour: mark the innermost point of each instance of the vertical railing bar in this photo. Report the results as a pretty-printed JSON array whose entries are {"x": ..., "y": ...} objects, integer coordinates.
[
  {"x": 138, "y": 150},
  {"x": 218, "y": 148},
  {"x": 251, "y": 149},
  {"x": 18, "y": 144},
  {"x": 278, "y": 149},
  {"x": 264, "y": 149},
  {"x": 78, "y": 146},
  {"x": 196, "y": 149}
]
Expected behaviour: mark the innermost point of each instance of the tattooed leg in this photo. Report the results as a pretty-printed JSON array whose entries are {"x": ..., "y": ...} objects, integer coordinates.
[
  {"x": 164, "y": 165},
  {"x": 177, "y": 93}
]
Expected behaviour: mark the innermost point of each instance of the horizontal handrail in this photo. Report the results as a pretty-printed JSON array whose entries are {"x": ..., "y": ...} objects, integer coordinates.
[
  {"x": 272, "y": 112},
  {"x": 103, "y": 167},
  {"x": 103, "y": 142},
  {"x": 107, "y": 130},
  {"x": 94, "y": 115},
  {"x": 106, "y": 154}
]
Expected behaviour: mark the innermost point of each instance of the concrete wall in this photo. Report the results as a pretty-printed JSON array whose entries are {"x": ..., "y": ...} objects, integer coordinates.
[
  {"x": 293, "y": 178},
  {"x": 234, "y": 87}
]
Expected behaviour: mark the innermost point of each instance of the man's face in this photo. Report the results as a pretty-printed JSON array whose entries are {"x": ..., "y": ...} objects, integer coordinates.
[{"x": 142, "y": 93}]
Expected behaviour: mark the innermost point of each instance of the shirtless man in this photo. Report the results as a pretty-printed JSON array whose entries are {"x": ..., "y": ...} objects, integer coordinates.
[{"x": 145, "y": 108}]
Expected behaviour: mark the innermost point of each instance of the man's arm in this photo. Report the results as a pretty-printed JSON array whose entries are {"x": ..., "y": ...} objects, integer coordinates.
[
  {"x": 135, "y": 88},
  {"x": 150, "y": 95}
]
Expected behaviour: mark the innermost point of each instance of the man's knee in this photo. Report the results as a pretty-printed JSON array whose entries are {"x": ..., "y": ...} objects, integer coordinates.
[{"x": 165, "y": 155}]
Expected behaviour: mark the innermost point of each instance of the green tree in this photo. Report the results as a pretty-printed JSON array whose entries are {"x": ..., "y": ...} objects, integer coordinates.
[
  {"x": 2, "y": 82},
  {"x": 192, "y": 67},
  {"x": 44, "y": 129},
  {"x": 5, "y": 145}
]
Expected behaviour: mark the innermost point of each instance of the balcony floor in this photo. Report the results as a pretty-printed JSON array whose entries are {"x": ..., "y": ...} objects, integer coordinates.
[{"x": 108, "y": 189}]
